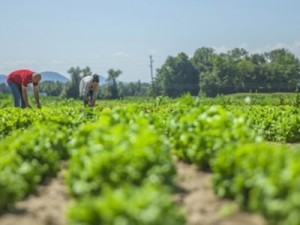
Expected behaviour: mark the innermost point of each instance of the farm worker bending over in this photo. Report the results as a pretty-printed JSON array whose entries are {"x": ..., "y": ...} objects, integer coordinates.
[
  {"x": 18, "y": 81},
  {"x": 88, "y": 89}
]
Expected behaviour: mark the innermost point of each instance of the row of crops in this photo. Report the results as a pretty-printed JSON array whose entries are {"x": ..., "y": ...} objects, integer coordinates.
[
  {"x": 120, "y": 157},
  {"x": 120, "y": 170},
  {"x": 261, "y": 176}
]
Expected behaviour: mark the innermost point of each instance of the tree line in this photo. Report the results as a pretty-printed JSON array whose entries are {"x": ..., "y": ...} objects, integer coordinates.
[
  {"x": 112, "y": 89},
  {"x": 211, "y": 74},
  {"x": 206, "y": 73}
]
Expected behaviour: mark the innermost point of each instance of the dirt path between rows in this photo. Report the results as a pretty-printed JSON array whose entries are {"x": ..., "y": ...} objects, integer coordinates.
[
  {"x": 200, "y": 205},
  {"x": 46, "y": 207}
]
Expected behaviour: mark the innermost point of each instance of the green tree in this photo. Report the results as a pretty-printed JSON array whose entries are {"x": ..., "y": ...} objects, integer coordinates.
[
  {"x": 218, "y": 80},
  {"x": 112, "y": 77},
  {"x": 52, "y": 88},
  {"x": 177, "y": 76},
  {"x": 86, "y": 71},
  {"x": 283, "y": 70},
  {"x": 202, "y": 59},
  {"x": 227, "y": 73},
  {"x": 241, "y": 69},
  {"x": 236, "y": 71},
  {"x": 72, "y": 87},
  {"x": 257, "y": 80},
  {"x": 4, "y": 88},
  {"x": 134, "y": 89}
]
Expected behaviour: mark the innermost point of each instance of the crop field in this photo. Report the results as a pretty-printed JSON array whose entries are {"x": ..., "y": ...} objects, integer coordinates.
[{"x": 119, "y": 157}]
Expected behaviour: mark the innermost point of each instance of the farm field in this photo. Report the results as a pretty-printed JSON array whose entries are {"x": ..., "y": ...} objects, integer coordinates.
[
  {"x": 154, "y": 161},
  {"x": 49, "y": 204}
]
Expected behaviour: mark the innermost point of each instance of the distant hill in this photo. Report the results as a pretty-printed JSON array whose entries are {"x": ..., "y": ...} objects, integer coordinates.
[
  {"x": 53, "y": 76},
  {"x": 46, "y": 76}
]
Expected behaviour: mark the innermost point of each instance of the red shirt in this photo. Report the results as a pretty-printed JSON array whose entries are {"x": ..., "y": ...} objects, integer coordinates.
[{"x": 21, "y": 77}]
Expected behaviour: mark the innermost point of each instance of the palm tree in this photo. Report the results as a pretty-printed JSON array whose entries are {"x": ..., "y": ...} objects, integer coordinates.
[
  {"x": 86, "y": 71},
  {"x": 71, "y": 90},
  {"x": 112, "y": 76}
]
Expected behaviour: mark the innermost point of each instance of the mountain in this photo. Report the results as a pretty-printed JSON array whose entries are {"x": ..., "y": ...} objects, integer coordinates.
[
  {"x": 53, "y": 76},
  {"x": 47, "y": 75},
  {"x": 2, "y": 78}
]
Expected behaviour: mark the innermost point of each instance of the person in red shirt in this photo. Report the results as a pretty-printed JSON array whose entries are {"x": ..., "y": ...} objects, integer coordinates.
[{"x": 18, "y": 81}]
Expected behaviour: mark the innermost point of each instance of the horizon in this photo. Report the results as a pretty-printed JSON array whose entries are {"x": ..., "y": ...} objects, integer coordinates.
[
  {"x": 101, "y": 76},
  {"x": 123, "y": 34}
]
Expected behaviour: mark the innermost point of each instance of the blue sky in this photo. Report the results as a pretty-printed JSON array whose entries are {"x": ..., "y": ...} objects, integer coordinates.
[{"x": 55, "y": 35}]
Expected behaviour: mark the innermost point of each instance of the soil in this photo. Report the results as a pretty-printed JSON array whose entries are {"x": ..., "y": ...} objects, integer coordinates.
[
  {"x": 46, "y": 207},
  {"x": 201, "y": 206}
]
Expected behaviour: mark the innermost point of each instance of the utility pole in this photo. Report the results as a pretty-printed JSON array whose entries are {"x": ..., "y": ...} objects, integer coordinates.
[{"x": 151, "y": 72}]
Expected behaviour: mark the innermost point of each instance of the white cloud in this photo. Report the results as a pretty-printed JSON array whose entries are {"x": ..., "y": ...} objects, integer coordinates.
[
  {"x": 222, "y": 49},
  {"x": 244, "y": 46},
  {"x": 225, "y": 49},
  {"x": 121, "y": 54},
  {"x": 292, "y": 47},
  {"x": 297, "y": 45}
]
